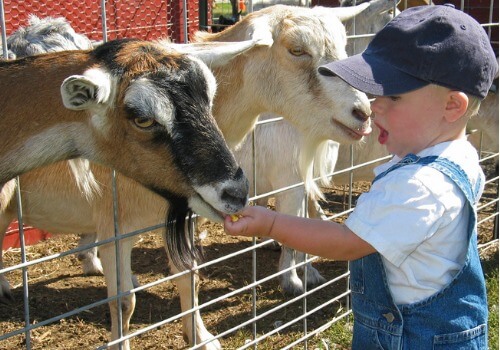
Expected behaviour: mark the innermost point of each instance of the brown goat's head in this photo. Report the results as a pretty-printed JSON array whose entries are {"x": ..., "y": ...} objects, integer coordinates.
[{"x": 150, "y": 116}]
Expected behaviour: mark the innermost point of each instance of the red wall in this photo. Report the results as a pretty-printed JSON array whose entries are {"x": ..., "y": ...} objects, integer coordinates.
[{"x": 144, "y": 19}]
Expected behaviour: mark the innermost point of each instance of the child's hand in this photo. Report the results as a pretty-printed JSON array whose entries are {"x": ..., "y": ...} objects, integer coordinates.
[{"x": 251, "y": 221}]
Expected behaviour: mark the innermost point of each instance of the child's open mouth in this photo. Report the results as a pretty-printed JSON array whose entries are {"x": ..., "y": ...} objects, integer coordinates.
[{"x": 383, "y": 136}]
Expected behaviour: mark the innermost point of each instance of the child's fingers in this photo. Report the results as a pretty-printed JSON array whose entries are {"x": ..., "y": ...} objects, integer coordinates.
[
  {"x": 236, "y": 228},
  {"x": 229, "y": 225}
]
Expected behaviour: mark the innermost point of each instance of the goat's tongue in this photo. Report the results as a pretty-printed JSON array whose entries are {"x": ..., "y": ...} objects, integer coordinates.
[
  {"x": 367, "y": 131},
  {"x": 382, "y": 137}
]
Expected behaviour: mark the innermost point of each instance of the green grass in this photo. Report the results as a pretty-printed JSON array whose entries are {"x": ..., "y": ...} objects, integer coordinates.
[
  {"x": 491, "y": 274},
  {"x": 222, "y": 8},
  {"x": 338, "y": 336}
]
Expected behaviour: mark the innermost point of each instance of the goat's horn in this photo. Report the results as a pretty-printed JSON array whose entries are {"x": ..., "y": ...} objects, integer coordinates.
[{"x": 373, "y": 7}]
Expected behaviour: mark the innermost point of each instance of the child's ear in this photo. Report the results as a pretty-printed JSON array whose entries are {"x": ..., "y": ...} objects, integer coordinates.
[{"x": 456, "y": 105}]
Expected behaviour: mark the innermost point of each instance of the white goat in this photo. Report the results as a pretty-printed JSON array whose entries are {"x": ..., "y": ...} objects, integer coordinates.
[
  {"x": 278, "y": 75},
  {"x": 279, "y": 149},
  {"x": 487, "y": 121},
  {"x": 369, "y": 149},
  {"x": 43, "y": 35}
]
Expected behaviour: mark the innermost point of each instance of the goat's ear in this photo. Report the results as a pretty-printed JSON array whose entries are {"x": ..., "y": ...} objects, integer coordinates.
[
  {"x": 372, "y": 7},
  {"x": 80, "y": 92},
  {"x": 214, "y": 54}
]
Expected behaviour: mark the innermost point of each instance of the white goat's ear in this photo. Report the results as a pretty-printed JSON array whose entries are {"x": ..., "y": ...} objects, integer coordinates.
[
  {"x": 214, "y": 54},
  {"x": 260, "y": 31},
  {"x": 374, "y": 6},
  {"x": 80, "y": 92}
]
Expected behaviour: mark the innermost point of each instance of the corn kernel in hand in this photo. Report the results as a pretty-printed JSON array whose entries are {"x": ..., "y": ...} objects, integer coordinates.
[{"x": 234, "y": 217}]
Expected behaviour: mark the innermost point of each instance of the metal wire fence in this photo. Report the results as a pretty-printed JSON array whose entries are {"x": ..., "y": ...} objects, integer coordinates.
[{"x": 260, "y": 315}]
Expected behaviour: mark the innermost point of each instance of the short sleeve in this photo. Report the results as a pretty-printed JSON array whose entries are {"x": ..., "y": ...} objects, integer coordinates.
[{"x": 398, "y": 214}]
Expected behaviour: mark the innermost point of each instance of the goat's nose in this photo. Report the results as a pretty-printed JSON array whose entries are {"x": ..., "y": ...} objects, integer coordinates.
[
  {"x": 237, "y": 193},
  {"x": 235, "y": 196}
]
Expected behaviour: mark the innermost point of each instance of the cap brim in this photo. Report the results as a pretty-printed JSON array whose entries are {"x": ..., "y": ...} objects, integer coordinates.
[{"x": 373, "y": 76}]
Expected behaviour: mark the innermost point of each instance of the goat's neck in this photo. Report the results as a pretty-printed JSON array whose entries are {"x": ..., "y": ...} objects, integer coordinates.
[
  {"x": 307, "y": 151},
  {"x": 235, "y": 113},
  {"x": 52, "y": 144}
]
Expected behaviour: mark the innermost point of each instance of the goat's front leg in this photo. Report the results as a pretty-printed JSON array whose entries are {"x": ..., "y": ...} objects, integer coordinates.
[
  {"x": 314, "y": 278},
  {"x": 291, "y": 203},
  {"x": 108, "y": 258},
  {"x": 5, "y": 290},
  {"x": 184, "y": 287},
  {"x": 290, "y": 282},
  {"x": 6, "y": 217},
  {"x": 91, "y": 264}
]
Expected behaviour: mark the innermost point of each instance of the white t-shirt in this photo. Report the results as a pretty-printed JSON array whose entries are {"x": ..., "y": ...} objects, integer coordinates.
[{"x": 416, "y": 218}]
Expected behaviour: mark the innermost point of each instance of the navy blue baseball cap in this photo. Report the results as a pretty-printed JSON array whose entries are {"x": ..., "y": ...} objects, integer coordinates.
[{"x": 435, "y": 44}]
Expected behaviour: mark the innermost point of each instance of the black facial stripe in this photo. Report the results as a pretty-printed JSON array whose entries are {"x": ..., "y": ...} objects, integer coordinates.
[
  {"x": 132, "y": 111},
  {"x": 195, "y": 146}
]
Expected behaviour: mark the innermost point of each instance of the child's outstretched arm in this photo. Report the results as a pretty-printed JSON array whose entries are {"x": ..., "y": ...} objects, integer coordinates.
[{"x": 317, "y": 237}]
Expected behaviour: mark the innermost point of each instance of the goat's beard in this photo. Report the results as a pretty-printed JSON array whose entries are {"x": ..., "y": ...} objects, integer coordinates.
[{"x": 179, "y": 231}]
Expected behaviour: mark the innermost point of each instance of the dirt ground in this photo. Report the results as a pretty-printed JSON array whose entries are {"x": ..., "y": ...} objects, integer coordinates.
[{"x": 58, "y": 286}]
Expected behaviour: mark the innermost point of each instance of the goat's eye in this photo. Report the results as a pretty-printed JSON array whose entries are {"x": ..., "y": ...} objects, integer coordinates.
[
  {"x": 297, "y": 51},
  {"x": 144, "y": 123}
]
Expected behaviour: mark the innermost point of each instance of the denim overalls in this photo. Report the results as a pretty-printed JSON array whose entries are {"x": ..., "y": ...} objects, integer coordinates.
[{"x": 454, "y": 318}]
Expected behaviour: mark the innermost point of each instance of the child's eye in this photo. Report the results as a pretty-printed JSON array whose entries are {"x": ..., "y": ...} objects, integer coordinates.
[{"x": 394, "y": 98}]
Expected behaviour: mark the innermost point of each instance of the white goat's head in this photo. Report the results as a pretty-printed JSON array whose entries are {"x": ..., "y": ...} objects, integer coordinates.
[{"x": 280, "y": 74}]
